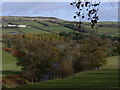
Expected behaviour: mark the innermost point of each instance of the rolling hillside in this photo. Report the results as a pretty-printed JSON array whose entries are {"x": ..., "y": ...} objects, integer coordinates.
[
  {"x": 53, "y": 25},
  {"x": 9, "y": 64},
  {"x": 107, "y": 77}
]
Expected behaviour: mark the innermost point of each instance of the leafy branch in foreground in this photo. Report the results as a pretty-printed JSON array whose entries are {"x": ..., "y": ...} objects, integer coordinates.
[{"x": 87, "y": 9}]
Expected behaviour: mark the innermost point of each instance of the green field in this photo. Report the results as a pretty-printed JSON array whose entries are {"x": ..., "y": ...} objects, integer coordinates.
[
  {"x": 54, "y": 27},
  {"x": 23, "y": 30},
  {"x": 40, "y": 28},
  {"x": 107, "y": 30},
  {"x": 57, "y": 29},
  {"x": 103, "y": 78},
  {"x": 34, "y": 23},
  {"x": 9, "y": 64},
  {"x": 9, "y": 30}
]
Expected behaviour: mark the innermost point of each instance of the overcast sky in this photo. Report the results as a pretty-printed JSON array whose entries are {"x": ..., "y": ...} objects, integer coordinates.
[{"x": 108, "y": 11}]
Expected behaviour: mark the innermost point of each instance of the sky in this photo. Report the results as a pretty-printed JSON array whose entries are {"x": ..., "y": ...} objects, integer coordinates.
[{"x": 108, "y": 11}]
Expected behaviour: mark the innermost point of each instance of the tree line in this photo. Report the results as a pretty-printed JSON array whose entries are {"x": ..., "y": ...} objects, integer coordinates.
[{"x": 56, "y": 55}]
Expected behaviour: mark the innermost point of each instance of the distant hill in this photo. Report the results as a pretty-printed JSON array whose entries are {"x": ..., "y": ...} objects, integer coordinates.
[
  {"x": 55, "y": 25},
  {"x": 22, "y": 18}
]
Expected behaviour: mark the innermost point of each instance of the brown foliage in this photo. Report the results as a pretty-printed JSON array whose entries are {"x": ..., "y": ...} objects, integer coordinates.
[
  {"x": 13, "y": 81},
  {"x": 65, "y": 68}
]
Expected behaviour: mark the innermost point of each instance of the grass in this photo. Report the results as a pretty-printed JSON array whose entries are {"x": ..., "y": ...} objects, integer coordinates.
[
  {"x": 34, "y": 23},
  {"x": 51, "y": 24},
  {"x": 57, "y": 29},
  {"x": 112, "y": 63},
  {"x": 115, "y": 34},
  {"x": 9, "y": 30},
  {"x": 103, "y": 78},
  {"x": 107, "y": 30},
  {"x": 9, "y": 64},
  {"x": 24, "y": 30},
  {"x": 52, "y": 27},
  {"x": 32, "y": 30}
]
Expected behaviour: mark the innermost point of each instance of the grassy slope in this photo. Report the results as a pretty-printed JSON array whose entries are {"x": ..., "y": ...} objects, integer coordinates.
[
  {"x": 103, "y": 78},
  {"x": 24, "y": 30},
  {"x": 9, "y": 30},
  {"x": 52, "y": 27},
  {"x": 107, "y": 30},
  {"x": 9, "y": 64},
  {"x": 57, "y": 29}
]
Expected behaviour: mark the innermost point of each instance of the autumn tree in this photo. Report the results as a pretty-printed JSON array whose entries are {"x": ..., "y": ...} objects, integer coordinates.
[
  {"x": 92, "y": 54},
  {"x": 55, "y": 55}
]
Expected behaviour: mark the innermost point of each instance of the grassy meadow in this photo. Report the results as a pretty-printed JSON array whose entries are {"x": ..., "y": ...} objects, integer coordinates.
[
  {"x": 54, "y": 27},
  {"x": 9, "y": 64},
  {"x": 43, "y": 27}
]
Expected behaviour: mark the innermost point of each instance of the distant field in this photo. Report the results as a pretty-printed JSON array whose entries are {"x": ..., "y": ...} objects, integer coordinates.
[
  {"x": 32, "y": 30},
  {"x": 103, "y": 78},
  {"x": 23, "y": 30},
  {"x": 107, "y": 30},
  {"x": 34, "y": 23},
  {"x": 40, "y": 28},
  {"x": 9, "y": 30},
  {"x": 49, "y": 27},
  {"x": 57, "y": 29},
  {"x": 53, "y": 25},
  {"x": 108, "y": 22}
]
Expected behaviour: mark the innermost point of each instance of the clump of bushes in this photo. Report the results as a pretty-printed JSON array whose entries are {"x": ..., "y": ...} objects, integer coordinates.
[
  {"x": 13, "y": 81},
  {"x": 55, "y": 55}
]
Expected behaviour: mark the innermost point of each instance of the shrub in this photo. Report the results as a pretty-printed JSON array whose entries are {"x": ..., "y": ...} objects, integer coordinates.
[
  {"x": 65, "y": 68},
  {"x": 37, "y": 53},
  {"x": 7, "y": 49},
  {"x": 13, "y": 81}
]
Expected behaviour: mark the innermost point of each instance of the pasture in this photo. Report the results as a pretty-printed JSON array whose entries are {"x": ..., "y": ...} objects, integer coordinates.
[
  {"x": 107, "y": 30},
  {"x": 35, "y": 27},
  {"x": 49, "y": 27},
  {"x": 9, "y": 64}
]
